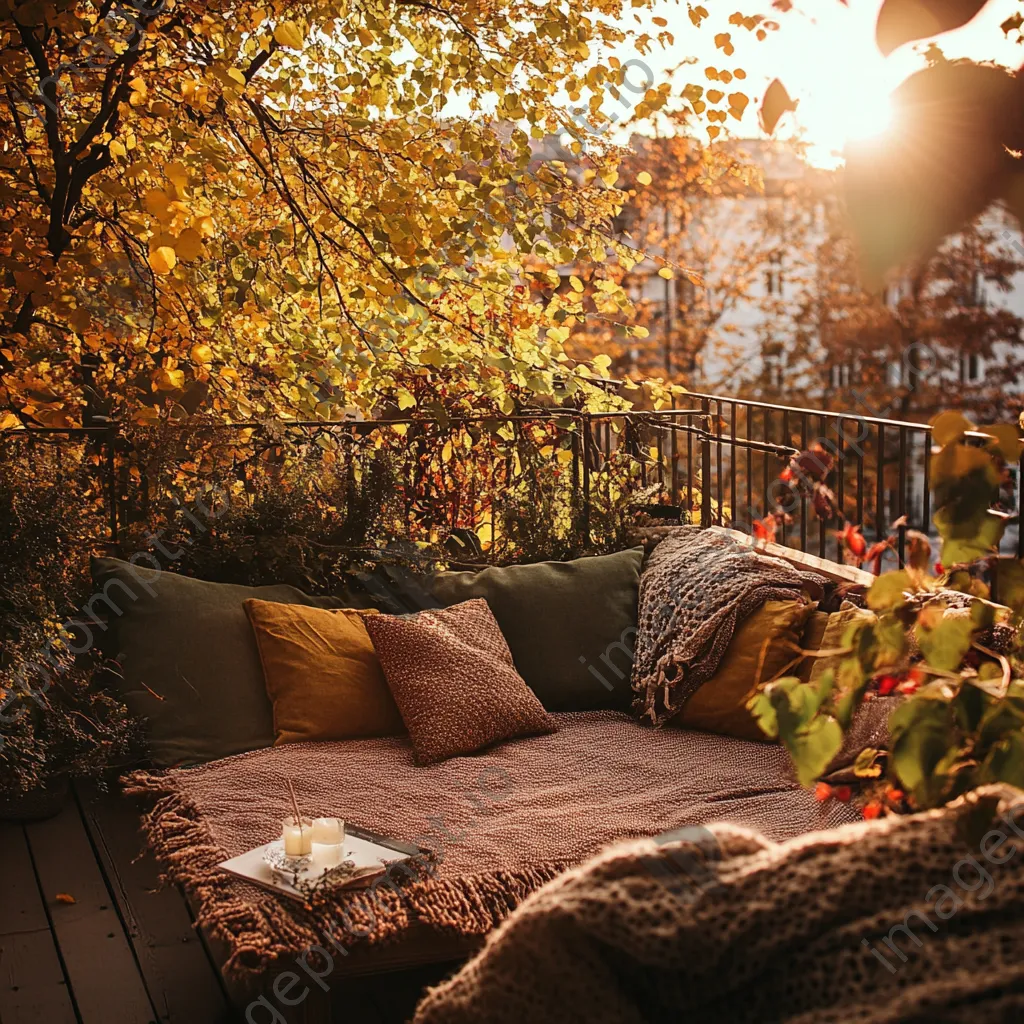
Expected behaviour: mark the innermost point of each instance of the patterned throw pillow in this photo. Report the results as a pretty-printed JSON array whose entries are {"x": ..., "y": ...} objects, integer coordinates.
[{"x": 454, "y": 681}]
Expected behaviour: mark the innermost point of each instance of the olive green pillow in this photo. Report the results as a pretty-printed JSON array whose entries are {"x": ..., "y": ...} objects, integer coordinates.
[
  {"x": 571, "y": 626},
  {"x": 189, "y": 662}
]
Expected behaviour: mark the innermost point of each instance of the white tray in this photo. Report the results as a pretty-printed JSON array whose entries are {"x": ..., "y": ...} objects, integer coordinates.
[{"x": 367, "y": 850}]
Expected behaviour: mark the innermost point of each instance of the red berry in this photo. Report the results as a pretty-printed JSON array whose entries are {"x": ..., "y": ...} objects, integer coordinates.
[
  {"x": 887, "y": 684},
  {"x": 843, "y": 793},
  {"x": 872, "y": 810},
  {"x": 822, "y": 791}
]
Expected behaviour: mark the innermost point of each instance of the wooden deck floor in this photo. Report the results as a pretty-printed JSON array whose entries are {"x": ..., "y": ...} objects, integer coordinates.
[{"x": 125, "y": 950}]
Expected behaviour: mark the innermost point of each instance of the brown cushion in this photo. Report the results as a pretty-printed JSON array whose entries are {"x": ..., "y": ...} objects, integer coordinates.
[
  {"x": 832, "y": 640},
  {"x": 720, "y": 704},
  {"x": 322, "y": 673},
  {"x": 454, "y": 681}
]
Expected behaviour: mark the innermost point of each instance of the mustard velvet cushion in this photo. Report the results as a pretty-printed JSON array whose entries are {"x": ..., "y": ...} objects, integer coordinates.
[
  {"x": 720, "y": 704},
  {"x": 323, "y": 676}
]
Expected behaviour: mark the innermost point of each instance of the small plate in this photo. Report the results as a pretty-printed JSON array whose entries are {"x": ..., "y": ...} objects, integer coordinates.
[{"x": 278, "y": 861}]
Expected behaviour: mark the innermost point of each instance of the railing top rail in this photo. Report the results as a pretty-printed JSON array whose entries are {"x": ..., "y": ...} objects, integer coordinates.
[
  {"x": 537, "y": 416},
  {"x": 774, "y": 407},
  {"x": 532, "y": 416}
]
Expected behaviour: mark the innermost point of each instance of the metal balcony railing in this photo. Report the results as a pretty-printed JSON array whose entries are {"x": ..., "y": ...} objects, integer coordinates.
[{"x": 715, "y": 461}]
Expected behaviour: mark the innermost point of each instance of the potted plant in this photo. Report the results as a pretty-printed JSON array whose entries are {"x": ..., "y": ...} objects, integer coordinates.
[
  {"x": 56, "y": 722},
  {"x": 949, "y": 636}
]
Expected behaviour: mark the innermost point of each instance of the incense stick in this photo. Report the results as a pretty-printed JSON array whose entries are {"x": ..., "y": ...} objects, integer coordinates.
[{"x": 295, "y": 805}]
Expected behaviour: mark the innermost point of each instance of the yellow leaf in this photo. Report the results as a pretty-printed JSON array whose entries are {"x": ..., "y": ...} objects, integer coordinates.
[
  {"x": 949, "y": 427},
  {"x": 117, "y": 148},
  {"x": 8, "y": 421},
  {"x": 63, "y": 897},
  {"x": 667, "y": 273},
  {"x": 406, "y": 399},
  {"x": 169, "y": 380},
  {"x": 776, "y": 102},
  {"x": 162, "y": 260},
  {"x": 289, "y": 34},
  {"x": 178, "y": 173},
  {"x": 157, "y": 202},
  {"x": 188, "y": 245},
  {"x": 147, "y": 416},
  {"x": 202, "y": 354},
  {"x": 644, "y": 178}
]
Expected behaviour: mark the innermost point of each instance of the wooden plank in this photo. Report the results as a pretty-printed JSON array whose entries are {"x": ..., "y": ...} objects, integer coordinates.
[
  {"x": 97, "y": 956},
  {"x": 183, "y": 984},
  {"x": 397, "y": 999},
  {"x": 32, "y": 984},
  {"x": 834, "y": 571}
]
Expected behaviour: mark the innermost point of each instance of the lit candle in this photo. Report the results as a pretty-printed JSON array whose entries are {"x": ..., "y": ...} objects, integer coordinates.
[
  {"x": 328, "y": 831},
  {"x": 298, "y": 837}
]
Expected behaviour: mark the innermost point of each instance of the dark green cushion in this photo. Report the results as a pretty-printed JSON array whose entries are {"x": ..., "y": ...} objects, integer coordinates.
[
  {"x": 189, "y": 662},
  {"x": 571, "y": 626}
]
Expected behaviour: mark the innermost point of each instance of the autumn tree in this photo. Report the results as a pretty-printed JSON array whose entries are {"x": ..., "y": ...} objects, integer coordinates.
[
  {"x": 696, "y": 214},
  {"x": 255, "y": 209},
  {"x": 938, "y": 334}
]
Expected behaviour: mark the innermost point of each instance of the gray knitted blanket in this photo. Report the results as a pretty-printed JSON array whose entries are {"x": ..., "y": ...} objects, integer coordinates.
[{"x": 696, "y": 589}]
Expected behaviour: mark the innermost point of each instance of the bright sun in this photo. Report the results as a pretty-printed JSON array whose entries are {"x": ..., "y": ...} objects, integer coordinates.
[
  {"x": 865, "y": 117},
  {"x": 839, "y": 112}
]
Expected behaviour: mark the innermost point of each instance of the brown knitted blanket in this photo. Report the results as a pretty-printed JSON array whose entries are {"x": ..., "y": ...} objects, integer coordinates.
[
  {"x": 501, "y": 823},
  {"x": 696, "y": 589},
  {"x": 886, "y": 922}
]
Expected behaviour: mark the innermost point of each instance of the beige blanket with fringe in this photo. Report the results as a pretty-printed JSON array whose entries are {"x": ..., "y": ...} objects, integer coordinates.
[
  {"x": 500, "y": 824},
  {"x": 900, "y": 920}
]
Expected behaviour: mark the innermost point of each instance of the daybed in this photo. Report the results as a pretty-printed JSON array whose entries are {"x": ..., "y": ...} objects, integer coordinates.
[{"x": 494, "y": 820}]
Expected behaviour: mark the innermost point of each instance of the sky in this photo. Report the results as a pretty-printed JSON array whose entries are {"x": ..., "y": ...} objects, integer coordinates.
[{"x": 826, "y": 56}]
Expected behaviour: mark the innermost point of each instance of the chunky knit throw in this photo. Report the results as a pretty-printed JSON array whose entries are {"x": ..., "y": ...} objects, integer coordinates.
[
  {"x": 886, "y": 922},
  {"x": 500, "y": 823},
  {"x": 697, "y": 587}
]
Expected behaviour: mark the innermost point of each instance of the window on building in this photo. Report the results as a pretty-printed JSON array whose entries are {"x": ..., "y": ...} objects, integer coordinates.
[
  {"x": 971, "y": 368},
  {"x": 773, "y": 274},
  {"x": 840, "y": 375}
]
